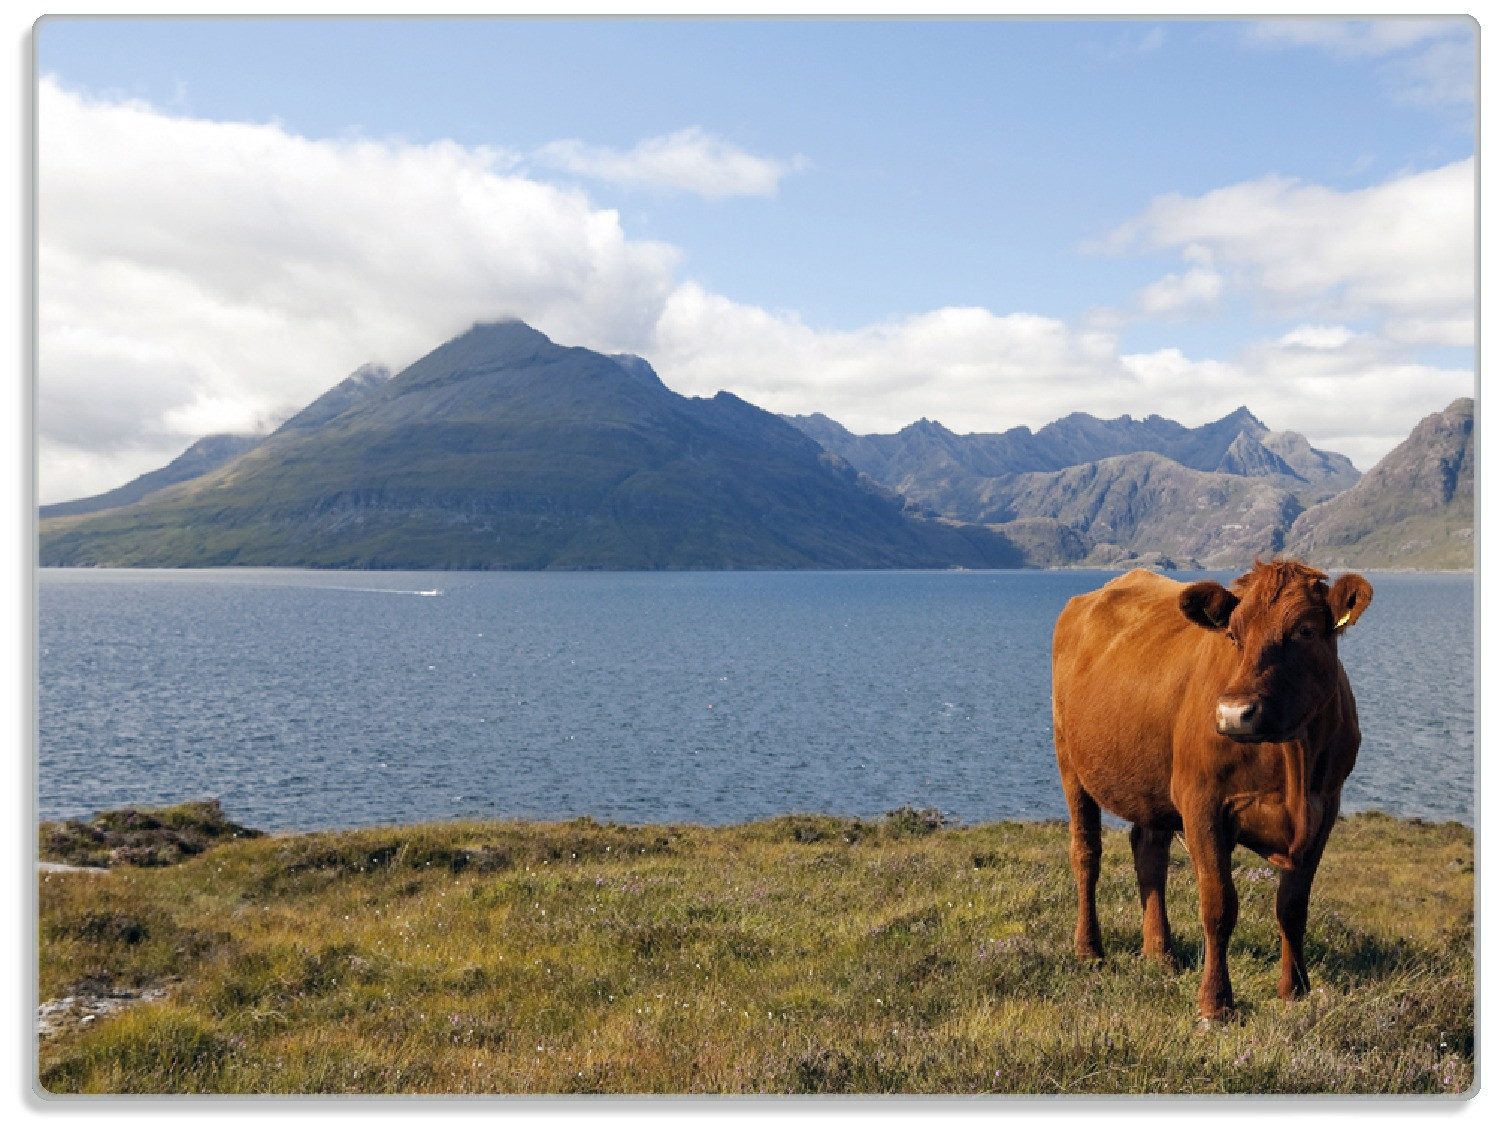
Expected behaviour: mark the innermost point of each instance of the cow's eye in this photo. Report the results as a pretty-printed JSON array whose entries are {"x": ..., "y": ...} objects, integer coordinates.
[{"x": 1304, "y": 632}]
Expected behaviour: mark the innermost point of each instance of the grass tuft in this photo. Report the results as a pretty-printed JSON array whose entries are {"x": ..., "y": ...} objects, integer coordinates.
[{"x": 135, "y": 836}]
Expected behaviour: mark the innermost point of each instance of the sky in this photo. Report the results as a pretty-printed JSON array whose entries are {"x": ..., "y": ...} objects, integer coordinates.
[{"x": 987, "y": 223}]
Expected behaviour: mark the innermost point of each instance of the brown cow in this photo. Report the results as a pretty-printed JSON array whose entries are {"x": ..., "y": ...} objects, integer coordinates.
[{"x": 1220, "y": 713}]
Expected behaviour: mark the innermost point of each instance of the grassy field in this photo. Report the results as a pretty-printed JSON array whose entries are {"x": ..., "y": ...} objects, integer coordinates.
[{"x": 798, "y": 954}]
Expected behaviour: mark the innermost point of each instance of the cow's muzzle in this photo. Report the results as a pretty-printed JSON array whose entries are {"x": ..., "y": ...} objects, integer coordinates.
[{"x": 1239, "y": 719}]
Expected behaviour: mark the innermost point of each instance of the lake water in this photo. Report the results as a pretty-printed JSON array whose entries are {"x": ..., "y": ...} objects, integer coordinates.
[{"x": 307, "y": 700}]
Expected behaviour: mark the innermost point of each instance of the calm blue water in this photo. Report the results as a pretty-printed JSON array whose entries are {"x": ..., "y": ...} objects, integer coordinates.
[{"x": 311, "y": 699}]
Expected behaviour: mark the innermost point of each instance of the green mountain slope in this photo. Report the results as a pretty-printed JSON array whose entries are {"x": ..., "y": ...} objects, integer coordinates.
[{"x": 501, "y": 449}]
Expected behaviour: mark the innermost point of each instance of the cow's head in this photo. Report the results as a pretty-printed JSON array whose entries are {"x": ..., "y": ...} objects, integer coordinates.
[{"x": 1284, "y": 620}]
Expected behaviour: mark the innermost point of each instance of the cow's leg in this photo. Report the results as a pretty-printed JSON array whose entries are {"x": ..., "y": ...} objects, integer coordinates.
[
  {"x": 1151, "y": 849},
  {"x": 1209, "y": 845},
  {"x": 1291, "y": 908},
  {"x": 1085, "y": 848}
]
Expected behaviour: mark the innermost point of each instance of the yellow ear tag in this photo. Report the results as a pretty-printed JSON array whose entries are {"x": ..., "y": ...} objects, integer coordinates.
[{"x": 1344, "y": 619}]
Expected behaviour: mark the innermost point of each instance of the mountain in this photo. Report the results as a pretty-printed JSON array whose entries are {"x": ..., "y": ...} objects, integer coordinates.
[
  {"x": 926, "y": 462},
  {"x": 1413, "y": 509},
  {"x": 208, "y": 453},
  {"x": 201, "y": 457},
  {"x": 502, "y": 449},
  {"x": 355, "y": 389},
  {"x": 1106, "y": 491},
  {"x": 1327, "y": 473},
  {"x": 1124, "y": 507}
]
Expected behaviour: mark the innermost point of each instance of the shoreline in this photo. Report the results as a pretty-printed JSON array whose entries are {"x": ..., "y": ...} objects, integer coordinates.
[{"x": 160, "y": 821}]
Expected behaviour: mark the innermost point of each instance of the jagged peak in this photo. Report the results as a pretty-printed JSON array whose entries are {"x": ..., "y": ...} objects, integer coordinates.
[
  {"x": 1081, "y": 419},
  {"x": 928, "y": 427},
  {"x": 820, "y": 422},
  {"x": 1243, "y": 417},
  {"x": 1248, "y": 456},
  {"x": 1459, "y": 407}
]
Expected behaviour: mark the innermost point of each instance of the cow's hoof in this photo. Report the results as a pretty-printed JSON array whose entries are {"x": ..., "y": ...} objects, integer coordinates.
[{"x": 1208, "y": 1020}]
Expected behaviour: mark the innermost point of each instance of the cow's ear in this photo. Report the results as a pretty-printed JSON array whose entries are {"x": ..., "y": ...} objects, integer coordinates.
[
  {"x": 1348, "y": 597},
  {"x": 1208, "y": 604}
]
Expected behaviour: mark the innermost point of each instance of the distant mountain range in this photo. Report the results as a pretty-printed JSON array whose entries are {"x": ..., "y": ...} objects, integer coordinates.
[
  {"x": 1084, "y": 490},
  {"x": 501, "y": 449},
  {"x": 924, "y": 460}
]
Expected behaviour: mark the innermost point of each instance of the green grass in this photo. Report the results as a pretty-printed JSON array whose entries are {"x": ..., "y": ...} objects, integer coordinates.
[{"x": 801, "y": 954}]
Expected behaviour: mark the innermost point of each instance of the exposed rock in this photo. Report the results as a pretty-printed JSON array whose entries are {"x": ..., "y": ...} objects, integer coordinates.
[{"x": 88, "y": 1002}]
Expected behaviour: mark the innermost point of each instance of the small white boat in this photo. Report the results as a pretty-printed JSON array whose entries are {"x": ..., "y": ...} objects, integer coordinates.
[{"x": 429, "y": 592}]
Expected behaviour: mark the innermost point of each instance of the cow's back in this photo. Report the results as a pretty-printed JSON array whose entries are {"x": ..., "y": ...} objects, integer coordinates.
[{"x": 1125, "y": 664}]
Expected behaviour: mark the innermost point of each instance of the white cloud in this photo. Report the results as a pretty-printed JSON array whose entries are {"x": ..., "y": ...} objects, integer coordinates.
[
  {"x": 1402, "y": 250},
  {"x": 1440, "y": 74},
  {"x": 975, "y": 371},
  {"x": 1423, "y": 61},
  {"x": 1179, "y": 292},
  {"x": 196, "y": 275},
  {"x": 1317, "y": 337},
  {"x": 1348, "y": 391},
  {"x": 967, "y": 367},
  {"x": 1355, "y": 38},
  {"x": 1152, "y": 40},
  {"x": 690, "y": 160},
  {"x": 199, "y": 276},
  {"x": 1129, "y": 43}
]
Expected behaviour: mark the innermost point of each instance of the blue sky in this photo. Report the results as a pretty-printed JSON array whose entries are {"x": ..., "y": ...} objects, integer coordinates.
[{"x": 874, "y": 180}]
